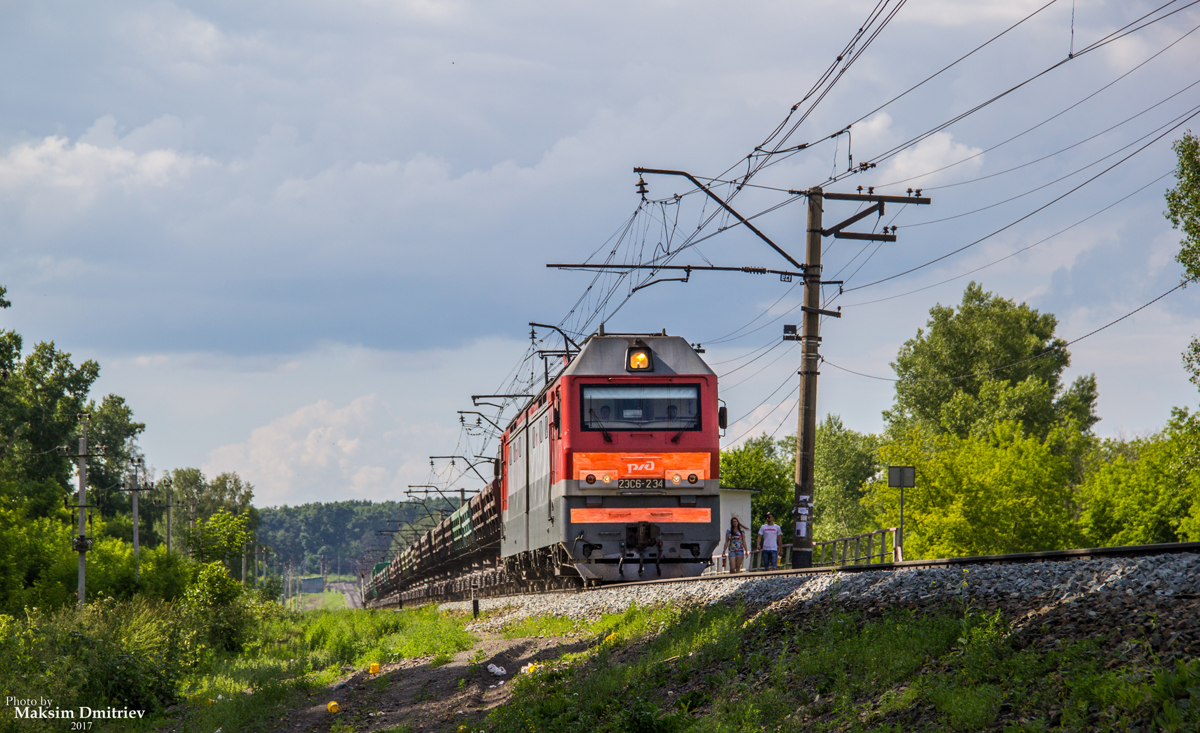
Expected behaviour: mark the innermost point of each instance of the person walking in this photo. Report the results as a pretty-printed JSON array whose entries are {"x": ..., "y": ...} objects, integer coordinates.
[
  {"x": 735, "y": 544},
  {"x": 768, "y": 542}
]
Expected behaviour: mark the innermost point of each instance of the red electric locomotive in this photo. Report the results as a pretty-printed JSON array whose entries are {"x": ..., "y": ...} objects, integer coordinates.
[
  {"x": 609, "y": 473},
  {"x": 613, "y": 467}
]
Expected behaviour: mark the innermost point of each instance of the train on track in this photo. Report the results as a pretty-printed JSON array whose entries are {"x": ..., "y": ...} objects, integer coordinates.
[{"x": 609, "y": 473}]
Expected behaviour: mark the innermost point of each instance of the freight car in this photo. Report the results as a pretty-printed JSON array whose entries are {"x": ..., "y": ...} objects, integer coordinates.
[{"x": 609, "y": 473}]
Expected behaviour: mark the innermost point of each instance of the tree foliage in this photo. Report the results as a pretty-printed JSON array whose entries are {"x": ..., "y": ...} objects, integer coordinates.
[
  {"x": 1183, "y": 210},
  {"x": 844, "y": 460},
  {"x": 1149, "y": 493},
  {"x": 298, "y": 535},
  {"x": 987, "y": 362},
  {"x": 979, "y": 495},
  {"x": 196, "y": 500},
  {"x": 219, "y": 537}
]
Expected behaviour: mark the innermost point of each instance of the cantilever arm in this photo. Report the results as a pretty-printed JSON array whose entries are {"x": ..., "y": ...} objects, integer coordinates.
[{"x": 723, "y": 205}]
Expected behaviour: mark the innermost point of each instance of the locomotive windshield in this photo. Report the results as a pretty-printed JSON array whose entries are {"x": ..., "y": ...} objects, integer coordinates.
[{"x": 648, "y": 407}]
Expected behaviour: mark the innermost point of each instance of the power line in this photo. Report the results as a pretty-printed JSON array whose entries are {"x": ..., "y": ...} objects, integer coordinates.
[
  {"x": 1038, "y": 355},
  {"x": 963, "y": 115},
  {"x": 1062, "y": 150},
  {"x": 1056, "y": 180},
  {"x": 1045, "y": 121},
  {"x": 1017, "y": 252},
  {"x": 1026, "y": 216}
]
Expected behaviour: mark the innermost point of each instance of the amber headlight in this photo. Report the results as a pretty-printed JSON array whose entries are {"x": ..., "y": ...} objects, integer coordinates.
[
  {"x": 606, "y": 478},
  {"x": 676, "y": 479},
  {"x": 639, "y": 359}
]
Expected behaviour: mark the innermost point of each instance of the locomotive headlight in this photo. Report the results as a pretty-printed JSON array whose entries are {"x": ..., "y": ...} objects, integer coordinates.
[
  {"x": 591, "y": 478},
  {"x": 606, "y": 478},
  {"x": 693, "y": 478},
  {"x": 675, "y": 479},
  {"x": 639, "y": 359}
]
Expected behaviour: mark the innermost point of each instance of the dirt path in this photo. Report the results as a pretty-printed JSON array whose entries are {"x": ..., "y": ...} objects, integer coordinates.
[{"x": 427, "y": 698}]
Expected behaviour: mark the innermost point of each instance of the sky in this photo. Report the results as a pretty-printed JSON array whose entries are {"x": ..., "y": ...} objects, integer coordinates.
[{"x": 297, "y": 237}]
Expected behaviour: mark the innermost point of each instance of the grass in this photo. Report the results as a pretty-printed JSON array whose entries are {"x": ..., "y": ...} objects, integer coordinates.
[
  {"x": 710, "y": 670},
  {"x": 304, "y": 652},
  {"x": 137, "y": 655},
  {"x": 331, "y": 601}
]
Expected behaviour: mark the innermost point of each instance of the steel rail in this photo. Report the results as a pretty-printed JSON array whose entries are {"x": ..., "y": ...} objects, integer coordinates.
[{"x": 1089, "y": 553}]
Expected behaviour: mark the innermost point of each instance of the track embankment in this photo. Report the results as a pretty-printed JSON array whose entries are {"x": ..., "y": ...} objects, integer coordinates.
[{"x": 1073, "y": 595}]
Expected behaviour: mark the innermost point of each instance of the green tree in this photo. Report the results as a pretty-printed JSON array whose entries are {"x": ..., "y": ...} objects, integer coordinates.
[
  {"x": 844, "y": 461},
  {"x": 1150, "y": 492},
  {"x": 1183, "y": 209},
  {"x": 196, "y": 499},
  {"x": 760, "y": 464},
  {"x": 991, "y": 360},
  {"x": 219, "y": 537},
  {"x": 112, "y": 426},
  {"x": 995, "y": 494}
]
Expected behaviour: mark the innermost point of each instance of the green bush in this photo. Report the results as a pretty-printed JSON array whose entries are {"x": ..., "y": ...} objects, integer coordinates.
[
  {"x": 126, "y": 654},
  {"x": 166, "y": 575},
  {"x": 213, "y": 601}
]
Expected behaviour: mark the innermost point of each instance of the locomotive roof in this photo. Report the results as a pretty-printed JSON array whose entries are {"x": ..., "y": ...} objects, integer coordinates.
[{"x": 604, "y": 355}]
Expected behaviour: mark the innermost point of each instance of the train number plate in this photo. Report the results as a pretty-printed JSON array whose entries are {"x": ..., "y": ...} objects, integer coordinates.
[{"x": 641, "y": 483}]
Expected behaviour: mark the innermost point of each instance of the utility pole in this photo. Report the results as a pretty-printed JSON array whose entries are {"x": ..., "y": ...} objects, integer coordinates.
[
  {"x": 806, "y": 431},
  {"x": 83, "y": 543},
  {"x": 810, "y": 341},
  {"x": 138, "y": 466}
]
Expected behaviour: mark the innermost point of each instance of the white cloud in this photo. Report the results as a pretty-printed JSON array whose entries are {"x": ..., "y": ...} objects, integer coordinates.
[
  {"x": 85, "y": 170},
  {"x": 322, "y": 452},
  {"x": 935, "y": 152}
]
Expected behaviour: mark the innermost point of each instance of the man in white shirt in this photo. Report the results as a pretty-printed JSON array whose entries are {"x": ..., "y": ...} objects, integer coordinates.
[{"x": 768, "y": 542}]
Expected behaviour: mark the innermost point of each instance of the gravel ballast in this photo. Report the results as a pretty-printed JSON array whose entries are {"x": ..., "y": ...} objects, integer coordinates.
[{"x": 1030, "y": 588}]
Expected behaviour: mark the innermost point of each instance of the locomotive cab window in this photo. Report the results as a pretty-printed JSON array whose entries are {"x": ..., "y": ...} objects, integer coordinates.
[{"x": 645, "y": 407}]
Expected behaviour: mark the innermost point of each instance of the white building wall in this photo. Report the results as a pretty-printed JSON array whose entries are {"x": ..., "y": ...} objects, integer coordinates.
[{"x": 735, "y": 502}]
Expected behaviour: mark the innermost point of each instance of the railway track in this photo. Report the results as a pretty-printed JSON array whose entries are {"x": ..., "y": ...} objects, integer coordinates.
[{"x": 1092, "y": 553}]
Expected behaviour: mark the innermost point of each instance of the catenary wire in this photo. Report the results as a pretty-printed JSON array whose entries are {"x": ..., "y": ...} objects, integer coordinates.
[
  {"x": 1017, "y": 252},
  {"x": 1026, "y": 216},
  {"x": 1038, "y": 355}
]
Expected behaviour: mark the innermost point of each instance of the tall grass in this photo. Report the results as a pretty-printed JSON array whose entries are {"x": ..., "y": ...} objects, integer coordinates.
[
  {"x": 711, "y": 670},
  {"x": 298, "y": 652},
  {"x": 126, "y": 654},
  {"x": 148, "y": 655}
]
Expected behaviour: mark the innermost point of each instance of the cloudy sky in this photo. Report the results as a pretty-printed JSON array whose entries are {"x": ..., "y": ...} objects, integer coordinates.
[{"x": 298, "y": 236}]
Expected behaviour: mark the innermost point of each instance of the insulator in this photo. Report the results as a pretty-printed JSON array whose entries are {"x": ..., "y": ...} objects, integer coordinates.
[{"x": 641, "y": 186}]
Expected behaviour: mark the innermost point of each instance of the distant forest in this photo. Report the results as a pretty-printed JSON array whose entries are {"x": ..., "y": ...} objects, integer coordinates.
[{"x": 301, "y": 535}]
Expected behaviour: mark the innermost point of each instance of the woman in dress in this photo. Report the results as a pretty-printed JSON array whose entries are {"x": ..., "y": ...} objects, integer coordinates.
[{"x": 735, "y": 544}]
